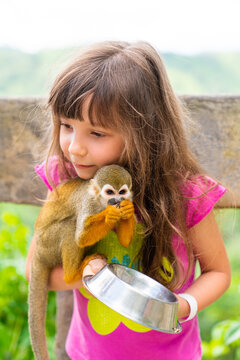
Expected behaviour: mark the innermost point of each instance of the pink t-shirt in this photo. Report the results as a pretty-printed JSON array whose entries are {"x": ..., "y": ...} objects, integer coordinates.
[{"x": 98, "y": 333}]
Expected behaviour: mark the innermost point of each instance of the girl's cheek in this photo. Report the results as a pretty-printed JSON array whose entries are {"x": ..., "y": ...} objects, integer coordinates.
[
  {"x": 61, "y": 142},
  {"x": 64, "y": 144}
]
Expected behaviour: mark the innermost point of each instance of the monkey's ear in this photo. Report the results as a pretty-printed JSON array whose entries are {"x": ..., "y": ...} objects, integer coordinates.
[{"x": 93, "y": 189}]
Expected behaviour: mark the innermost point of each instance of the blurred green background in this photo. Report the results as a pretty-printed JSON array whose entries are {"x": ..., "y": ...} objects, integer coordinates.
[
  {"x": 219, "y": 323},
  {"x": 30, "y": 75}
]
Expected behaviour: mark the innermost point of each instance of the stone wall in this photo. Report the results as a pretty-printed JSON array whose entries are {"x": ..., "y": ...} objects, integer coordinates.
[{"x": 214, "y": 137}]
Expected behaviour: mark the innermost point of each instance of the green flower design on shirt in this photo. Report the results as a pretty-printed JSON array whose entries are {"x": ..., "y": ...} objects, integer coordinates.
[{"x": 103, "y": 319}]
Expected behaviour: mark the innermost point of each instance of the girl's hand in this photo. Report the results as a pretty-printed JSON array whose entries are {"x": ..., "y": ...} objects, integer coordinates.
[{"x": 93, "y": 267}]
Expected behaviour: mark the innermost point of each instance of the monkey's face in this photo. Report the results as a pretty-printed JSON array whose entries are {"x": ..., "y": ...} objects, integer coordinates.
[{"x": 111, "y": 196}]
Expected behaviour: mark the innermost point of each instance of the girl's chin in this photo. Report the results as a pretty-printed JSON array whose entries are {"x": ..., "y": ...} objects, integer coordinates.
[{"x": 87, "y": 173}]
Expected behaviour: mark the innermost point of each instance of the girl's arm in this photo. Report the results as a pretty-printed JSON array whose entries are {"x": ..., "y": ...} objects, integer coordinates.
[
  {"x": 215, "y": 275},
  {"x": 56, "y": 281}
]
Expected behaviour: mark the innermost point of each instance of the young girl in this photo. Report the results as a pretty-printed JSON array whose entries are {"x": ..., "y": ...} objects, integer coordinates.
[{"x": 114, "y": 104}]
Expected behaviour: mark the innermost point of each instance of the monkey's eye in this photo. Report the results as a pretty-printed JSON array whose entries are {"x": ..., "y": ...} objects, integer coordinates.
[
  {"x": 122, "y": 192},
  {"x": 109, "y": 192}
]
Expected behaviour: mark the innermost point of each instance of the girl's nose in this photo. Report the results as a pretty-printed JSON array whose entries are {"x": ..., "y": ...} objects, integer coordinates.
[{"x": 77, "y": 149}]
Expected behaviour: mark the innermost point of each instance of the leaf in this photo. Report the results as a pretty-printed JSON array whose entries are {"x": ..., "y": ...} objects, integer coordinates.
[
  {"x": 237, "y": 355},
  {"x": 206, "y": 349},
  {"x": 10, "y": 219},
  {"x": 219, "y": 330},
  {"x": 20, "y": 238},
  {"x": 217, "y": 348},
  {"x": 233, "y": 333},
  {"x": 5, "y": 241}
]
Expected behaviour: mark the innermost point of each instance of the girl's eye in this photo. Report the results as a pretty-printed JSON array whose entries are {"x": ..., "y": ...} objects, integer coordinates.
[
  {"x": 97, "y": 134},
  {"x": 67, "y": 126}
]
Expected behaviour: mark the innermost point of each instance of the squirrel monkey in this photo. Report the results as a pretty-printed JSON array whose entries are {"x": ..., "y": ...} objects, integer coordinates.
[{"x": 77, "y": 214}]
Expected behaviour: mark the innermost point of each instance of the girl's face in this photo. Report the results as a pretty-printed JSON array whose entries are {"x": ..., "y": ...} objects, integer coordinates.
[{"x": 89, "y": 147}]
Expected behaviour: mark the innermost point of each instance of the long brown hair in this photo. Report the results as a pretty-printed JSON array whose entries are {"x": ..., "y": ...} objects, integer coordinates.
[{"x": 130, "y": 91}]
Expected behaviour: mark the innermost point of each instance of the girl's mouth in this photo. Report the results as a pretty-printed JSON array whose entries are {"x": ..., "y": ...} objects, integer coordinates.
[{"x": 79, "y": 166}]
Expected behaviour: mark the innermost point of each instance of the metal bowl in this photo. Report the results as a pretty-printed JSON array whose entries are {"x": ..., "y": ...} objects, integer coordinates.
[{"x": 135, "y": 296}]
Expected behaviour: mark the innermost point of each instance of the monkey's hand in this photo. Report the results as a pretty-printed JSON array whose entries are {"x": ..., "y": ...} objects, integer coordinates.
[
  {"x": 126, "y": 227},
  {"x": 126, "y": 209},
  {"x": 113, "y": 215},
  {"x": 97, "y": 226}
]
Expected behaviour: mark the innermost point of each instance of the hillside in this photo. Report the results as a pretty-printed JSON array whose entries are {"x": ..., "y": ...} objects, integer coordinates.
[
  {"x": 24, "y": 74},
  {"x": 204, "y": 74}
]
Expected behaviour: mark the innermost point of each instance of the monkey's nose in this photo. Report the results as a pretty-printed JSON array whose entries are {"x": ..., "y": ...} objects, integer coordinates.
[{"x": 113, "y": 201}]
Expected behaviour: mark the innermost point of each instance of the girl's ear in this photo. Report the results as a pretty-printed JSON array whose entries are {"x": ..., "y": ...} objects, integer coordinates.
[{"x": 93, "y": 188}]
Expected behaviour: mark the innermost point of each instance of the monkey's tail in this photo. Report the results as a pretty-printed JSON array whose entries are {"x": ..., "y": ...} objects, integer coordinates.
[{"x": 37, "y": 303}]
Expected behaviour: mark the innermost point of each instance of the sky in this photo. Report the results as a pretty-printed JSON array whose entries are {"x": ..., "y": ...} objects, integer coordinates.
[{"x": 178, "y": 26}]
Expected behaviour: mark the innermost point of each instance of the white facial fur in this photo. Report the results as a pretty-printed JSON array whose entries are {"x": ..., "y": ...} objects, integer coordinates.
[{"x": 108, "y": 192}]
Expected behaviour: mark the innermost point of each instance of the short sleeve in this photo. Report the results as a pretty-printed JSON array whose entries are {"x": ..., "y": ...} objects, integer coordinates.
[
  {"x": 200, "y": 198},
  {"x": 52, "y": 171}
]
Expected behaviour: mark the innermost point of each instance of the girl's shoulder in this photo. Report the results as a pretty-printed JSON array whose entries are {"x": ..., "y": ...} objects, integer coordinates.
[
  {"x": 201, "y": 194},
  {"x": 53, "y": 174}
]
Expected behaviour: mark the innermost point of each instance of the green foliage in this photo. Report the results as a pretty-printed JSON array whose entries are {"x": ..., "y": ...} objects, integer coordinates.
[
  {"x": 24, "y": 74},
  {"x": 204, "y": 73},
  {"x": 14, "y": 337},
  {"x": 225, "y": 341},
  {"x": 219, "y": 323}
]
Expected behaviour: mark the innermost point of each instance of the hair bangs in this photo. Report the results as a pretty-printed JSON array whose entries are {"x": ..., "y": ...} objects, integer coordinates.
[
  {"x": 68, "y": 104},
  {"x": 103, "y": 111},
  {"x": 102, "y": 95}
]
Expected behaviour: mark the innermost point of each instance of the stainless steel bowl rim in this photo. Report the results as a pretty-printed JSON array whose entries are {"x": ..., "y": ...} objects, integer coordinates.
[
  {"x": 127, "y": 315},
  {"x": 109, "y": 266},
  {"x": 86, "y": 280}
]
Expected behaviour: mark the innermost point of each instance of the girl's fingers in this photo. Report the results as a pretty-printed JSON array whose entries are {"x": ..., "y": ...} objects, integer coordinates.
[
  {"x": 92, "y": 268},
  {"x": 88, "y": 270},
  {"x": 97, "y": 264}
]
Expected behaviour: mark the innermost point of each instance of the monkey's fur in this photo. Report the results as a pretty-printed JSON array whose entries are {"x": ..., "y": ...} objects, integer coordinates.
[{"x": 75, "y": 216}]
